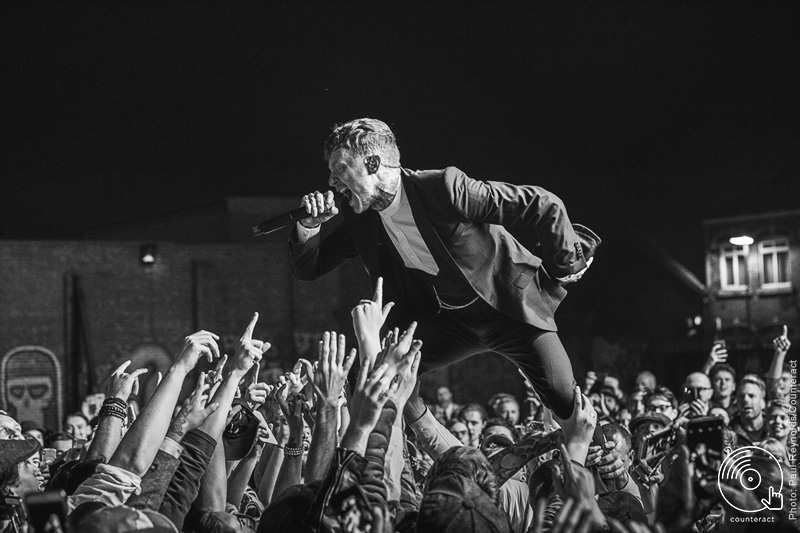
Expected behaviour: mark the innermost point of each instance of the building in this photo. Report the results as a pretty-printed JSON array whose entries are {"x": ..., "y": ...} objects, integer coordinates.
[{"x": 753, "y": 274}]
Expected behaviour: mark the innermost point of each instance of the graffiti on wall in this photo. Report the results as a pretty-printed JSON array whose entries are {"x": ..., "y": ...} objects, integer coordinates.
[{"x": 30, "y": 386}]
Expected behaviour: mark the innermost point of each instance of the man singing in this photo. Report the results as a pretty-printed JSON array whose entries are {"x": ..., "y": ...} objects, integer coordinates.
[{"x": 437, "y": 237}]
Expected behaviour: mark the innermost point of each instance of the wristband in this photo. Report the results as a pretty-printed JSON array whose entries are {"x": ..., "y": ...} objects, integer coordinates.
[
  {"x": 117, "y": 402},
  {"x": 109, "y": 410},
  {"x": 288, "y": 451}
]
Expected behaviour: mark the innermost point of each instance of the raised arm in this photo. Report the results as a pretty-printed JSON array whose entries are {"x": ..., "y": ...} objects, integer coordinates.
[
  {"x": 329, "y": 380},
  {"x": 781, "y": 344},
  {"x": 111, "y": 417},
  {"x": 140, "y": 444},
  {"x": 368, "y": 319}
]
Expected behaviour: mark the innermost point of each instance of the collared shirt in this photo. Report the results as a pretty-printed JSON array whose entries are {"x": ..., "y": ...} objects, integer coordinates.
[{"x": 398, "y": 219}]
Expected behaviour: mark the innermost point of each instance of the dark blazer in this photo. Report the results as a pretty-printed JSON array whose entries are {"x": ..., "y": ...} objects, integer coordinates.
[{"x": 461, "y": 221}]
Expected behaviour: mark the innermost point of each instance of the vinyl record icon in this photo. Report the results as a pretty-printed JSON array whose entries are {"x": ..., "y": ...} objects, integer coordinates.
[{"x": 737, "y": 469}]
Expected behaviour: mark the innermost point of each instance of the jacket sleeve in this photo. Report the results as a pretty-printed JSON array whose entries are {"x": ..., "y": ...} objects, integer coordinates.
[
  {"x": 504, "y": 204},
  {"x": 318, "y": 256}
]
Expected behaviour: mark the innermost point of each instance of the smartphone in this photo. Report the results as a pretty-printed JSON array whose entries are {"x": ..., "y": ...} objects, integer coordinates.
[
  {"x": 15, "y": 513},
  {"x": 721, "y": 343},
  {"x": 78, "y": 443},
  {"x": 704, "y": 440},
  {"x": 49, "y": 455},
  {"x": 352, "y": 511},
  {"x": 47, "y": 511},
  {"x": 654, "y": 447}
]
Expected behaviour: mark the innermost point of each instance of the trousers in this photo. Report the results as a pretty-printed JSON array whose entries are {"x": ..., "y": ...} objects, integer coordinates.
[{"x": 452, "y": 335}]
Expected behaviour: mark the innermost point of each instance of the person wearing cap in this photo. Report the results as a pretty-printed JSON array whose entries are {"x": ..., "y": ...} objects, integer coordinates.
[
  {"x": 461, "y": 496},
  {"x": 647, "y": 424},
  {"x": 438, "y": 238},
  {"x": 16, "y": 479}
]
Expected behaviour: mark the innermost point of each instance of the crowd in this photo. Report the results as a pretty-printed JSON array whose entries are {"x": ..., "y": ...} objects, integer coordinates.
[{"x": 316, "y": 452}]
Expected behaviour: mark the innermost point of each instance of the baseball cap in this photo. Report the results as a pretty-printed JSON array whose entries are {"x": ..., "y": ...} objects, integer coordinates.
[
  {"x": 456, "y": 504},
  {"x": 657, "y": 418},
  {"x": 122, "y": 519}
]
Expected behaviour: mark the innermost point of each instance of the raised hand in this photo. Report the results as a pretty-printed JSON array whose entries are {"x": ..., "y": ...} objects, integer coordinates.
[
  {"x": 396, "y": 347},
  {"x": 579, "y": 427},
  {"x": 334, "y": 365},
  {"x": 122, "y": 384},
  {"x": 782, "y": 342},
  {"x": 249, "y": 350},
  {"x": 194, "y": 410},
  {"x": 368, "y": 319},
  {"x": 718, "y": 354},
  {"x": 202, "y": 343},
  {"x": 372, "y": 392},
  {"x": 321, "y": 208},
  {"x": 292, "y": 409},
  {"x": 577, "y": 484},
  {"x": 408, "y": 372}
]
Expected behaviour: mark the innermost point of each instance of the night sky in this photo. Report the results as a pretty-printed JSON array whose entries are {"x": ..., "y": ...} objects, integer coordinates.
[{"x": 644, "y": 117}]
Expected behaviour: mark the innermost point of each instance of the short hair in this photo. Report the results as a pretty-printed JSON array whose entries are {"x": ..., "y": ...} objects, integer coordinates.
[
  {"x": 467, "y": 462},
  {"x": 75, "y": 414},
  {"x": 501, "y": 422},
  {"x": 473, "y": 407},
  {"x": 609, "y": 430},
  {"x": 754, "y": 379},
  {"x": 363, "y": 137},
  {"x": 720, "y": 367},
  {"x": 664, "y": 393},
  {"x": 60, "y": 435}
]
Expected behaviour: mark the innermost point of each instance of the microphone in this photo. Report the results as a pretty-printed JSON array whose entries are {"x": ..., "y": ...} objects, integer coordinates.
[{"x": 281, "y": 221}]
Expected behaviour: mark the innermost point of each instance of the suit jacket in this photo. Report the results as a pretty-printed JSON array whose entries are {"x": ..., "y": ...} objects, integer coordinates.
[{"x": 461, "y": 221}]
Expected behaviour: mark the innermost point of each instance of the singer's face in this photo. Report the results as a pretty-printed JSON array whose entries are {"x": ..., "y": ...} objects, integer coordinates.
[{"x": 350, "y": 178}]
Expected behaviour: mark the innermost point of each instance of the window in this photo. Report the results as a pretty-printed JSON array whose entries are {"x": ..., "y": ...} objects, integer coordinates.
[
  {"x": 733, "y": 268},
  {"x": 773, "y": 261}
]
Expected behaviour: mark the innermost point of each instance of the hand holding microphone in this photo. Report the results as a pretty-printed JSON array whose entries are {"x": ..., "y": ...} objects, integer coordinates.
[{"x": 320, "y": 206}]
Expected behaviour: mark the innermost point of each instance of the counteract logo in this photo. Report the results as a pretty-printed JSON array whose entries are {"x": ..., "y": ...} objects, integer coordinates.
[{"x": 736, "y": 468}]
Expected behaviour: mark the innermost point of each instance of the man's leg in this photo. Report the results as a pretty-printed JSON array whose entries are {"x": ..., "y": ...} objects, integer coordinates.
[
  {"x": 445, "y": 341},
  {"x": 539, "y": 354}
]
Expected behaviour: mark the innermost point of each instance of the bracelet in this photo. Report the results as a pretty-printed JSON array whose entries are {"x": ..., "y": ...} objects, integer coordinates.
[
  {"x": 288, "y": 451},
  {"x": 111, "y": 410},
  {"x": 115, "y": 402}
]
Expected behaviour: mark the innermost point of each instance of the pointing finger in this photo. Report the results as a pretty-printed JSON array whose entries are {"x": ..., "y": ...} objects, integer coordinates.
[
  {"x": 378, "y": 296},
  {"x": 785, "y": 331},
  {"x": 136, "y": 373},
  {"x": 248, "y": 332},
  {"x": 121, "y": 368}
]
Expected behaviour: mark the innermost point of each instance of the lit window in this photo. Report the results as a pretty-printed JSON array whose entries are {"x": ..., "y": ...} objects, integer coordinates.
[
  {"x": 774, "y": 264},
  {"x": 733, "y": 268}
]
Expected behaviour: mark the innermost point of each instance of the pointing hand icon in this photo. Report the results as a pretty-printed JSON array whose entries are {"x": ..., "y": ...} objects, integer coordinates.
[{"x": 775, "y": 502}]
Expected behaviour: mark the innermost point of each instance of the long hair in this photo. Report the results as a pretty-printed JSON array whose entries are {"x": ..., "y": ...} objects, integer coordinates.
[{"x": 468, "y": 462}]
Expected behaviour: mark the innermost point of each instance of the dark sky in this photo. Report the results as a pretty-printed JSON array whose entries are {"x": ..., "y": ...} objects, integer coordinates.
[{"x": 642, "y": 116}]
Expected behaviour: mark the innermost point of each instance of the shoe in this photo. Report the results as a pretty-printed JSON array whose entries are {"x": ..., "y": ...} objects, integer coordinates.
[{"x": 588, "y": 242}]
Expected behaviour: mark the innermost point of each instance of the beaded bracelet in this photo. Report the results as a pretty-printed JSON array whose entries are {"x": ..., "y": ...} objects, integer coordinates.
[
  {"x": 288, "y": 451},
  {"x": 115, "y": 402},
  {"x": 112, "y": 410}
]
